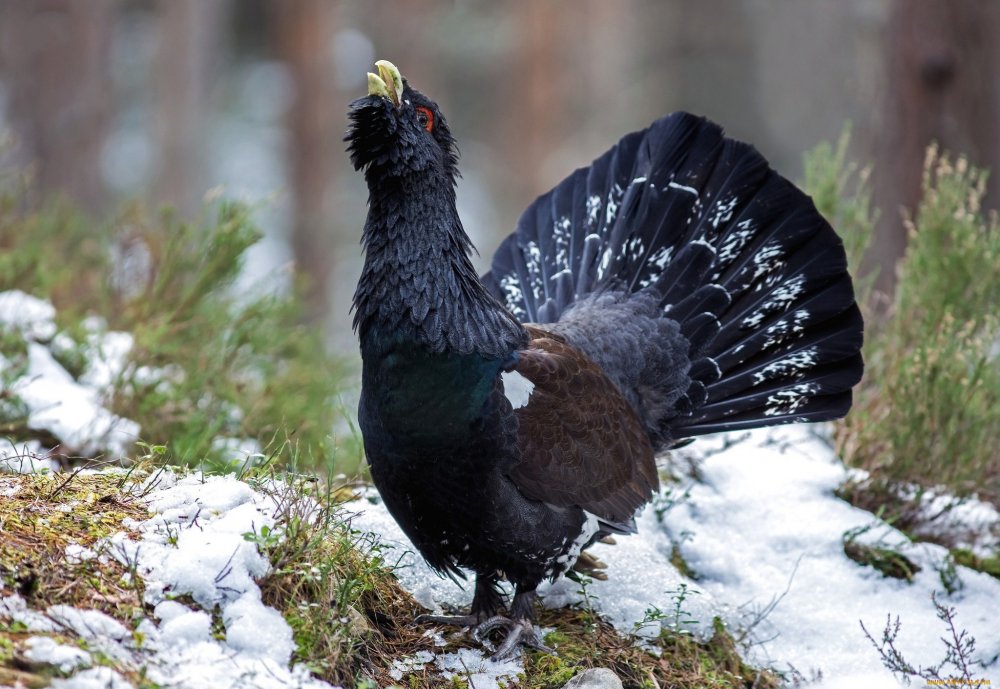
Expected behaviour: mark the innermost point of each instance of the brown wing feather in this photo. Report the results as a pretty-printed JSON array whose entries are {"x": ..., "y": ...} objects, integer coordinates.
[{"x": 581, "y": 442}]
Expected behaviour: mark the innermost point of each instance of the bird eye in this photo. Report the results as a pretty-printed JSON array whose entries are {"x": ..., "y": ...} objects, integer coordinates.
[{"x": 425, "y": 117}]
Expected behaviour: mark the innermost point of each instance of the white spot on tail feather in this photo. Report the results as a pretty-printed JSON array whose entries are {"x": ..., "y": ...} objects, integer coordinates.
[
  {"x": 593, "y": 208},
  {"x": 723, "y": 211},
  {"x": 510, "y": 285},
  {"x": 778, "y": 300},
  {"x": 561, "y": 238},
  {"x": 768, "y": 259},
  {"x": 533, "y": 262},
  {"x": 789, "y": 400},
  {"x": 681, "y": 187},
  {"x": 516, "y": 388},
  {"x": 611, "y": 210},
  {"x": 795, "y": 364},
  {"x": 789, "y": 327},
  {"x": 736, "y": 240}
]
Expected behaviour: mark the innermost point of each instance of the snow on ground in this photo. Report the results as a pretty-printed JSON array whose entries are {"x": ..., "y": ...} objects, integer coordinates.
[
  {"x": 71, "y": 410},
  {"x": 761, "y": 527},
  {"x": 764, "y": 531},
  {"x": 766, "y": 526},
  {"x": 194, "y": 545},
  {"x": 68, "y": 410},
  {"x": 33, "y": 316}
]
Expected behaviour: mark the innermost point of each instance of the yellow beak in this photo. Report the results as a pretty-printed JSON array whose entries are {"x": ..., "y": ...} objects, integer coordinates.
[{"x": 388, "y": 83}]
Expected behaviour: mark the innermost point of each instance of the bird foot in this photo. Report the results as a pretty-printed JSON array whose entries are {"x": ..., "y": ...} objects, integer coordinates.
[{"x": 520, "y": 633}]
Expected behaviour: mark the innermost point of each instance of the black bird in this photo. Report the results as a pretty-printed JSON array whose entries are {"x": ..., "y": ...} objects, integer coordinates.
[{"x": 677, "y": 286}]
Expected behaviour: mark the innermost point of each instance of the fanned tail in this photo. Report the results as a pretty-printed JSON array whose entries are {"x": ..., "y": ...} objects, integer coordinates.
[{"x": 739, "y": 257}]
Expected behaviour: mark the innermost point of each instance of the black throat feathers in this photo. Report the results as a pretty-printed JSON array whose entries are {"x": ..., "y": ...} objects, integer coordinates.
[{"x": 418, "y": 283}]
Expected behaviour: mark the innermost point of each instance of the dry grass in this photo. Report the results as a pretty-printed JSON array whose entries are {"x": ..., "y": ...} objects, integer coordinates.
[
  {"x": 45, "y": 514},
  {"x": 52, "y": 511},
  {"x": 350, "y": 617}
]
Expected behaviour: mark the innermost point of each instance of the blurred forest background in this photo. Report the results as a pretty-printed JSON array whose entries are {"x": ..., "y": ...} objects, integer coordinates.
[{"x": 171, "y": 100}]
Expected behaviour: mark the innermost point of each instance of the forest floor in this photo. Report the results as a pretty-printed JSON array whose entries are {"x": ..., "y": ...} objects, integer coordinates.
[{"x": 746, "y": 559}]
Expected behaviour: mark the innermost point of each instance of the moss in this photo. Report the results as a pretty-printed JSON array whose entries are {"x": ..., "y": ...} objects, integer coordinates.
[
  {"x": 49, "y": 512},
  {"x": 987, "y": 565},
  {"x": 909, "y": 516},
  {"x": 45, "y": 514},
  {"x": 582, "y": 641},
  {"x": 680, "y": 564},
  {"x": 885, "y": 560}
]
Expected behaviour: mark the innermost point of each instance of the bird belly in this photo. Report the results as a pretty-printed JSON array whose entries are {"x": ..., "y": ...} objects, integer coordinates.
[{"x": 479, "y": 522}]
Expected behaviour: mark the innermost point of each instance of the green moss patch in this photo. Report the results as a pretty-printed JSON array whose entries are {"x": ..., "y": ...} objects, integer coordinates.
[{"x": 49, "y": 513}]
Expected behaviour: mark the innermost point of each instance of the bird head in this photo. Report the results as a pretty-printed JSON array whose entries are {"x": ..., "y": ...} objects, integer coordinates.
[{"x": 396, "y": 131}]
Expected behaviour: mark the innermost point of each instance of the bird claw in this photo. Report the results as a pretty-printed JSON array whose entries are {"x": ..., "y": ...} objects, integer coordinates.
[{"x": 520, "y": 633}]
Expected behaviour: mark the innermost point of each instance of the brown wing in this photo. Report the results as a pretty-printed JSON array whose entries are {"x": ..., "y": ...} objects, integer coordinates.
[{"x": 581, "y": 442}]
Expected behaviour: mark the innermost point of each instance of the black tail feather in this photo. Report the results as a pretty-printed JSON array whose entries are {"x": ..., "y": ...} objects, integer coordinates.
[{"x": 737, "y": 255}]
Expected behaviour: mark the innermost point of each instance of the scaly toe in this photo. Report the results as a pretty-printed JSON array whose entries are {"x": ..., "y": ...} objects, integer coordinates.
[{"x": 521, "y": 633}]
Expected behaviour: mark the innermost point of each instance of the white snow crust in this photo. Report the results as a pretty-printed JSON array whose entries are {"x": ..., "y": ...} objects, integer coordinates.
[
  {"x": 764, "y": 531},
  {"x": 194, "y": 545}
]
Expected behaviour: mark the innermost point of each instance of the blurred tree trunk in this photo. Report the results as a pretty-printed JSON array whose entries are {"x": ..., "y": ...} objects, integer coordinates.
[
  {"x": 187, "y": 54},
  {"x": 55, "y": 62},
  {"x": 536, "y": 122},
  {"x": 941, "y": 84},
  {"x": 303, "y": 30}
]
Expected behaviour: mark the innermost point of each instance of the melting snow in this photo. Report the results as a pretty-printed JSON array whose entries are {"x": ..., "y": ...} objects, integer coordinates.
[
  {"x": 765, "y": 526},
  {"x": 765, "y": 532},
  {"x": 71, "y": 410},
  {"x": 44, "y": 649},
  {"x": 33, "y": 317},
  {"x": 193, "y": 545}
]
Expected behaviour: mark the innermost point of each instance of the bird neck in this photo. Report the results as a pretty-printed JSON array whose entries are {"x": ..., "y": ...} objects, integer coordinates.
[{"x": 418, "y": 283}]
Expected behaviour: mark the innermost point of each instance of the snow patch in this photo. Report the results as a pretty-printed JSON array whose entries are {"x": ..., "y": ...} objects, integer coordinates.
[
  {"x": 769, "y": 501},
  {"x": 478, "y": 670},
  {"x": 28, "y": 315},
  {"x": 193, "y": 545},
  {"x": 93, "y": 678},
  {"x": 44, "y": 649},
  {"x": 70, "y": 411},
  {"x": 764, "y": 531}
]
